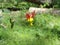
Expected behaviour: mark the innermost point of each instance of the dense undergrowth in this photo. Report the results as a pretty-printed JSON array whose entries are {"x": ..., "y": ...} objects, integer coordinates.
[
  {"x": 23, "y": 4},
  {"x": 45, "y": 31}
]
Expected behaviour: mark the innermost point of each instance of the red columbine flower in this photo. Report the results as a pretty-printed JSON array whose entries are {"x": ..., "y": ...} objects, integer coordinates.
[
  {"x": 30, "y": 17},
  {"x": 27, "y": 15}
]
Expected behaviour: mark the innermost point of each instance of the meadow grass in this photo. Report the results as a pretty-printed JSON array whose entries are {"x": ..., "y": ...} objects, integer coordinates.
[{"x": 45, "y": 31}]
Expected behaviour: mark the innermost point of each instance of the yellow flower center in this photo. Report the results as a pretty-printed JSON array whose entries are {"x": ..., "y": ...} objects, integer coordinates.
[{"x": 30, "y": 20}]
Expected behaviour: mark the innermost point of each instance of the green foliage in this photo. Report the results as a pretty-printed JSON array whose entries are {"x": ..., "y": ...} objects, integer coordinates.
[
  {"x": 44, "y": 32},
  {"x": 17, "y": 4},
  {"x": 26, "y": 5},
  {"x": 43, "y": 6},
  {"x": 56, "y": 3}
]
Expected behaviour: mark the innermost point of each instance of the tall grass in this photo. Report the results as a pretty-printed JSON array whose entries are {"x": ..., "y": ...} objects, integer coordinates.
[{"x": 45, "y": 30}]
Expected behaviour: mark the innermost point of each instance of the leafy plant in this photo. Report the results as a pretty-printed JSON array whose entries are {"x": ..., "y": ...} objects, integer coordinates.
[
  {"x": 26, "y": 5},
  {"x": 44, "y": 5},
  {"x": 56, "y": 3}
]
